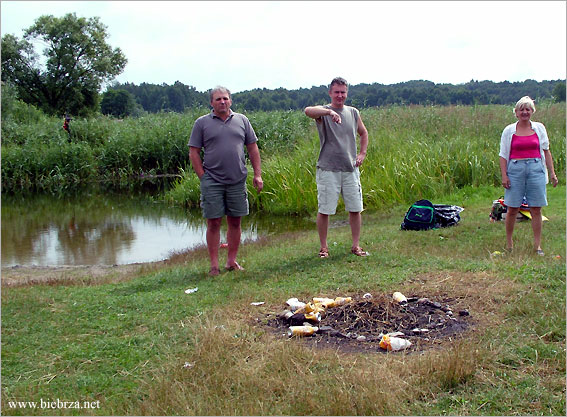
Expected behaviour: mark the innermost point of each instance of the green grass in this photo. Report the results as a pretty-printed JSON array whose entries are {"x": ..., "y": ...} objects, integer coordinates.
[{"x": 125, "y": 344}]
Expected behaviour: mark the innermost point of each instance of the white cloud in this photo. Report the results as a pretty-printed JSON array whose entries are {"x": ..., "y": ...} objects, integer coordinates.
[{"x": 247, "y": 45}]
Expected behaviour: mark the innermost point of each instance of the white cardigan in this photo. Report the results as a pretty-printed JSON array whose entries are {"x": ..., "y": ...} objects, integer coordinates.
[{"x": 506, "y": 142}]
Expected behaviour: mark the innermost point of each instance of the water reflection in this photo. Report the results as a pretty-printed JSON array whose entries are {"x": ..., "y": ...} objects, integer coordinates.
[{"x": 100, "y": 229}]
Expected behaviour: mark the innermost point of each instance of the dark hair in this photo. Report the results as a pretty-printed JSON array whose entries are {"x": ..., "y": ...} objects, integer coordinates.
[{"x": 338, "y": 81}]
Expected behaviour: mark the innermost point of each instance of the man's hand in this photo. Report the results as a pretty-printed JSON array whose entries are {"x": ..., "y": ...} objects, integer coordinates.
[
  {"x": 359, "y": 159},
  {"x": 258, "y": 183},
  {"x": 335, "y": 116}
]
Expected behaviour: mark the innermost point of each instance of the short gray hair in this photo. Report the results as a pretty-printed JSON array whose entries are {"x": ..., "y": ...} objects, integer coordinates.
[
  {"x": 218, "y": 89},
  {"x": 525, "y": 101}
]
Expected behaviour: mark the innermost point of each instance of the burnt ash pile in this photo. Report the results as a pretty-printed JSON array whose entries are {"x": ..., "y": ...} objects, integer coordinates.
[{"x": 360, "y": 324}]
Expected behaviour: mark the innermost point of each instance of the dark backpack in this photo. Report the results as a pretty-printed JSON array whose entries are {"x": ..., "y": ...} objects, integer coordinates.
[{"x": 420, "y": 216}]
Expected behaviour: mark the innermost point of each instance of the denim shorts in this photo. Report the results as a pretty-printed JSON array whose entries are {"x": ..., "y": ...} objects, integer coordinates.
[
  {"x": 218, "y": 199},
  {"x": 331, "y": 184},
  {"x": 527, "y": 178}
]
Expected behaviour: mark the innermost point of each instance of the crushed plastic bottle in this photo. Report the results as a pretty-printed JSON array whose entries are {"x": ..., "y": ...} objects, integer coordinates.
[
  {"x": 309, "y": 308},
  {"x": 339, "y": 301},
  {"x": 392, "y": 343},
  {"x": 399, "y": 297},
  {"x": 322, "y": 300},
  {"x": 313, "y": 316},
  {"x": 302, "y": 330},
  {"x": 294, "y": 304}
]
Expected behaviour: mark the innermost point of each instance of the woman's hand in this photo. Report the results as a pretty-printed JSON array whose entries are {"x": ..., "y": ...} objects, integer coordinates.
[
  {"x": 554, "y": 180},
  {"x": 505, "y": 181}
]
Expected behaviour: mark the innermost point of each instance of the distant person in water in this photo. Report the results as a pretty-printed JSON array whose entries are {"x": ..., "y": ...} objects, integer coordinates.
[
  {"x": 525, "y": 163},
  {"x": 223, "y": 134},
  {"x": 338, "y": 164}
]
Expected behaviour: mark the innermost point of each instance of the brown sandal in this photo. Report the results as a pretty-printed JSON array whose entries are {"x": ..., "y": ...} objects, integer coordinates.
[
  {"x": 324, "y": 253},
  {"x": 235, "y": 267},
  {"x": 358, "y": 251}
]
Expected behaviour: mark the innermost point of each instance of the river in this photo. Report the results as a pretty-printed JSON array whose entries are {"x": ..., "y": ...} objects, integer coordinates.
[{"x": 111, "y": 229}]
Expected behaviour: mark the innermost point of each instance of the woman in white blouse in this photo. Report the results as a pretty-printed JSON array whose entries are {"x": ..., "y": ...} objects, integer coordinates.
[{"x": 525, "y": 161}]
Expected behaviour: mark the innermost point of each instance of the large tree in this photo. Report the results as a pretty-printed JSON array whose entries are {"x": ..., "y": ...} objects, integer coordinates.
[
  {"x": 76, "y": 62},
  {"x": 118, "y": 103}
]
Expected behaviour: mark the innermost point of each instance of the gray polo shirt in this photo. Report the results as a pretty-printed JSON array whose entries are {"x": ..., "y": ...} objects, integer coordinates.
[
  {"x": 338, "y": 140},
  {"x": 223, "y": 143}
]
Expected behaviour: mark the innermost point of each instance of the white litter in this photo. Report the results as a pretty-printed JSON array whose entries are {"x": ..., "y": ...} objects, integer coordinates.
[
  {"x": 191, "y": 290},
  {"x": 257, "y": 303},
  {"x": 294, "y": 304},
  {"x": 367, "y": 295}
]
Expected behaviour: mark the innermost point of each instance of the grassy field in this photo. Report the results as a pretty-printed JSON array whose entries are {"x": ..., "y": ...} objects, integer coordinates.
[{"x": 141, "y": 346}]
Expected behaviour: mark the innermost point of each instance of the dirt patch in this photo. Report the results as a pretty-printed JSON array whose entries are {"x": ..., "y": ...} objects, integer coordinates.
[
  {"x": 358, "y": 326},
  {"x": 17, "y": 276}
]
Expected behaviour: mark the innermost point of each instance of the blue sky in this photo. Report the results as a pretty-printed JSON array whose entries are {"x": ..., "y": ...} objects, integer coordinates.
[{"x": 299, "y": 44}]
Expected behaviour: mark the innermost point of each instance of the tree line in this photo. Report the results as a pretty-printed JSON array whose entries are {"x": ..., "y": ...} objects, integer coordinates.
[
  {"x": 78, "y": 63},
  {"x": 154, "y": 98}
]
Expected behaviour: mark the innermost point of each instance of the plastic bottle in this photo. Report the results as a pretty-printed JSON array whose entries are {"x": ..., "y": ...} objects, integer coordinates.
[
  {"x": 399, "y": 297},
  {"x": 307, "y": 308},
  {"x": 313, "y": 316},
  {"x": 339, "y": 301},
  {"x": 322, "y": 300},
  {"x": 394, "y": 343},
  {"x": 295, "y": 304},
  {"x": 301, "y": 330}
]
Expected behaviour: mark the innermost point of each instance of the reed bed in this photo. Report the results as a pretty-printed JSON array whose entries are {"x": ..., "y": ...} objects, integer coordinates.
[{"x": 414, "y": 152}]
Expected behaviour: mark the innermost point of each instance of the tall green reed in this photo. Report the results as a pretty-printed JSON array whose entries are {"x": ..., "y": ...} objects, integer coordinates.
[{"x": 414, "y": 152}]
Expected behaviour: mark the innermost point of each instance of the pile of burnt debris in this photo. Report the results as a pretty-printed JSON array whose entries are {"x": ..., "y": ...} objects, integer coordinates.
[{"x": 379, "y": 323}]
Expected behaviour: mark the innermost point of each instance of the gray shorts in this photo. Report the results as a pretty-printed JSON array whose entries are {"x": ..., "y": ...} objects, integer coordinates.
[
  {"x": 219, "y": 199},
  {"x": 331, "y": 184}
]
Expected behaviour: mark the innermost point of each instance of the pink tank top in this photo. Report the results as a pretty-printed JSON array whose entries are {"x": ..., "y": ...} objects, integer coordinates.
[{"x": 524, "y": 147}]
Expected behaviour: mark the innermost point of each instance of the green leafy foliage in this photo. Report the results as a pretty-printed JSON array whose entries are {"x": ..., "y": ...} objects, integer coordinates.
[
  {"x": 118, "y": 103},
  {"x": 77, "y": 61}
]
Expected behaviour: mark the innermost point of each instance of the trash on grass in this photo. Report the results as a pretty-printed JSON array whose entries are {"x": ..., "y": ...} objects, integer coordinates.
[
  {"x": 367, "y": 296},
  {"x": 392, "y": 343},
  {"x": 257, "y": 303},
  {"x": 302, "y": 330},
  {"x": 191, "y": 290}
]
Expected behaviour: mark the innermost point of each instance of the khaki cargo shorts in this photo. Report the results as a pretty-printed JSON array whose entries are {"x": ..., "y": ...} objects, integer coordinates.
[{"x": 330, "y": 185}]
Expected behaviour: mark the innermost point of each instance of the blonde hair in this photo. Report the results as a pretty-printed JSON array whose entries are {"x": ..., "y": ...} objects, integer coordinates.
[{"x": 525, "y": 101}]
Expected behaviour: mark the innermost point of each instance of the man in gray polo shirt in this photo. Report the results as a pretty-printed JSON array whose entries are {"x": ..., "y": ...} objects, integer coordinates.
[
  {"x": 337, "y": 166},
  {"x": 223, "y": 134}
]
